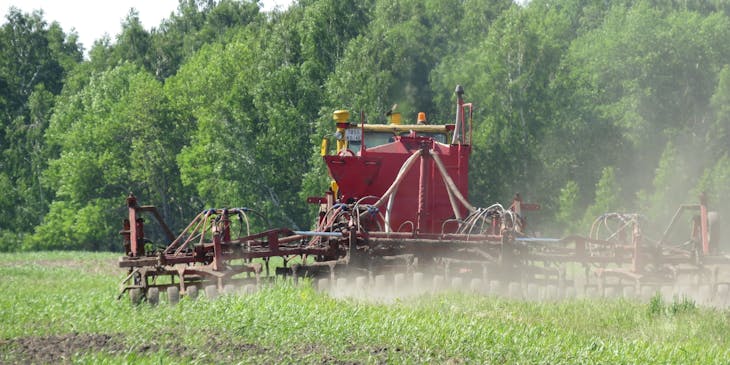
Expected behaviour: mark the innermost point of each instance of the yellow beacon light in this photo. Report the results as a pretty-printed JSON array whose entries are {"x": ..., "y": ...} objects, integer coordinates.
[{"x": 341, "y": 117}]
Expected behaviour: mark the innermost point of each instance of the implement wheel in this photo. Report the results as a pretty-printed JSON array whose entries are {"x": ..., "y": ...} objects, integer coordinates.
[
  {"x": 153, "y": 295},
  {"x": 211, "y": 291},
  {"x": 192, "y": 292},
  {"x": 135, "y": 296},
  {"x": 173, "y": 295}
]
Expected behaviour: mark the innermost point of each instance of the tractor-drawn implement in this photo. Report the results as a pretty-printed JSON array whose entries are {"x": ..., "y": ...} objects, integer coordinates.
[{"x": 396, "y": 221}]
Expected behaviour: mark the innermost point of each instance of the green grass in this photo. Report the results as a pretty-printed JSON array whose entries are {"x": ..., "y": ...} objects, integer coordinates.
[{"x": 47, "y": 297}]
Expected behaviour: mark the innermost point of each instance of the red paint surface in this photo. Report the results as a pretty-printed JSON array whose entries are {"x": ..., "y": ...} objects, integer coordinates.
[{"x": 374, "y": 170}]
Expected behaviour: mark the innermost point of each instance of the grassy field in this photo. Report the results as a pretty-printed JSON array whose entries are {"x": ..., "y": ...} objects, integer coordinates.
[{"x": 61, "y": 307}]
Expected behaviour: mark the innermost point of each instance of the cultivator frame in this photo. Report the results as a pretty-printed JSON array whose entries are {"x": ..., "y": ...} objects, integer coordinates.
[{"x": 439, "y": 241}]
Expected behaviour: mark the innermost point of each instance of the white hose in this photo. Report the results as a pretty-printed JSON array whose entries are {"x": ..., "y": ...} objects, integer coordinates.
[
  {"x": 399, "y": 178},
  {"x": 450, "y": 183}
]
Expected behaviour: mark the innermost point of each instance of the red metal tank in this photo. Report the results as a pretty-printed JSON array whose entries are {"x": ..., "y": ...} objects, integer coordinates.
[{"x": 375, "y": 155}]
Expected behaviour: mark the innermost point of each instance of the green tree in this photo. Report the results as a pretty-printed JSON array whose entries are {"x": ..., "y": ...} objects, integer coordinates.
[
  {"x": 391, "y": 61},
  {"x": 567, "y": 213},
  {"x": 34, "y": 59},
  {"x": 223, "y": 105},
  {"x": 194, "y": 24},
  {"x": 607, "y": 197},
  {"x": 671, "y": 185},
  {"x": 115, "y": 136},
  {"x": 715, "y": 184},
  {"x": 510, "y": 75},
  {"x": 134, "y": 43},
  {"x": 718, "y": 137},
  {"x": 653, "y": 70}
]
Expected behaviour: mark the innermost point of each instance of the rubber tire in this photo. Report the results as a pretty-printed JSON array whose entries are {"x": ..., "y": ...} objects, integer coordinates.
[
  {"x": 705, "y": 294},
  {"x": 551, "y": 293},
  {"x": 399, "y": 283},
  {"x": 341, "y": 285},
  {"x": 192, "y": 292},
  {"x": 533, "y": 292},
  {"x": 438, "y": 283},
  {"x": 173, "y": 295},
  {"x": 457, "y": 284},
  {"x": 721, "y": 297},
  {"x": 211, "y": 292},
  {"x": 570, "y": 293},
  {"x": 323, "y": 284},
  {"x": 135, "y": 296},
  {"x": 667, "y": 293},
  {"x": 418, "y": 281},
  {"x": 249, "y": 289},
  {"x": 591, "y": 292},
  {"x": 610, "y": 292},
  {"x": 476, "y": 286},
  {"x": 153, "y": 296},
  {"x": 514, "y": 291},
  {"x": 380, "y": 283},
  {"x": 229, "y": 289},
  {"x": 646, "y": 293},
  {"x": 361, "y": 284},
  {"x": 496, "y": 288},
  {"x": 629, "y": 292}
]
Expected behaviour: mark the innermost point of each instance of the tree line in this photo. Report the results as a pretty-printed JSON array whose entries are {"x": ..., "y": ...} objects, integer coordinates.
[{"x": 582, "y": 106}]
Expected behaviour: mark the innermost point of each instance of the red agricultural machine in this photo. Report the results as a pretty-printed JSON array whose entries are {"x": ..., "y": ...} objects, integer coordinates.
[{"x": 396, "y": 221}]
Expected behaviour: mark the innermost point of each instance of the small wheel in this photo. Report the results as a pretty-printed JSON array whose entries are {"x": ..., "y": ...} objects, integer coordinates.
[
  {"x": 533, "y": 291},
  {"x": 457, "y": 284},
  {"x": 323, "y": 284},
  {"x": 591, "y": 292},
  {"x": 496, "y": 288},
  {"x": 551, "y": 293},
  {"x": 211, "y": 292},
  {"x": 249, "y": 289},
  {"x": 610, "y": 292},
  {"x": 705, "y": 294},
  {"x": 229, "y": 289},
  {"x": 173, "y": 295},
  {"x": 721, "y": 298},
  {"x": 646, "y": 293},
  {"x": 192, "y": 292},
  {"x": 418, "y": 280},
  {"x": 361, "y": 283},
  {"x": 514, "y": 290},
  {"x": 135, "y": 296},
  {"x": 153, "y": 295},
  {"x": 476, "y": 286},
  {"x": 629, "y": 292},
  {"x": 438, "y": 283},
  {"x": 570, "y": 292},
  {"x": 341, "y": 285}
]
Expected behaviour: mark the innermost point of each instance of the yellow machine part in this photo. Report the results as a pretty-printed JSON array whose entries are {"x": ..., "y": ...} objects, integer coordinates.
[{"x": 334, "y": 187}]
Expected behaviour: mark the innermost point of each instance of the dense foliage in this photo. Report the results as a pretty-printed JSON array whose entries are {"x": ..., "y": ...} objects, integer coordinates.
[{"x": 583, "y": 106}]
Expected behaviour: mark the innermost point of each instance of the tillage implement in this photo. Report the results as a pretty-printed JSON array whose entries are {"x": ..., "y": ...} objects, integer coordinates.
[{"x": 396, "y": 221}]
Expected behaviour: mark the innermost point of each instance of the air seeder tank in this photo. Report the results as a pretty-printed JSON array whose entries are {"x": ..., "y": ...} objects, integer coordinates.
[{"x": 377, "y": 164}]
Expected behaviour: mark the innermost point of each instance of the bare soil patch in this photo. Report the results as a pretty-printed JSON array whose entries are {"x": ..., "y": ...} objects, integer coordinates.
[
  {"x": 58, "y": 348},
  {"x": 61, "y": 349}
]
